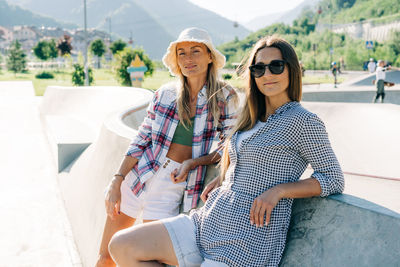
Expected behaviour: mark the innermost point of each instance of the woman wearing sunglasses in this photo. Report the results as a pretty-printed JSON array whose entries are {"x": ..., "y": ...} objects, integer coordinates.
[{"x": 244, "y": 221}]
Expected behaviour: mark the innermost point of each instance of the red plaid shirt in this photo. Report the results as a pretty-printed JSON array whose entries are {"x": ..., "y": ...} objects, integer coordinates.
[{"x": 151, "y": 144}]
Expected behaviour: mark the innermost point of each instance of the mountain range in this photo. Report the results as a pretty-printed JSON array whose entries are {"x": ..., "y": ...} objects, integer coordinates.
[
  {"x": 151, "y": 24},
  {"x": 286, "y": 17},
  {"x": 11, "y": 15}
]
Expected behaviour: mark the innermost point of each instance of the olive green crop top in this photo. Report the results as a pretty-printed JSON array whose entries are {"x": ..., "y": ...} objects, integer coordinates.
[{"x": 182, "y": 135}]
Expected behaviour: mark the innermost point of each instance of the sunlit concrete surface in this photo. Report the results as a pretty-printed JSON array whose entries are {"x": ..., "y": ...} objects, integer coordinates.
[
  {"x": 365, "y": 138},
  {"x": 34, "y": 229}
]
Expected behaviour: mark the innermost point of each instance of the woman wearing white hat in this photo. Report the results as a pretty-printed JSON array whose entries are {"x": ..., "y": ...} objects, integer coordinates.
[{"x": 167, "y": 158}]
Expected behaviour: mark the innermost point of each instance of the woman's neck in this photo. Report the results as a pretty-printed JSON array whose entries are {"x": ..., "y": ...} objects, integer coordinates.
[
  {"x": 195, "y": 85},
  {"x": 274, "y": 102}
]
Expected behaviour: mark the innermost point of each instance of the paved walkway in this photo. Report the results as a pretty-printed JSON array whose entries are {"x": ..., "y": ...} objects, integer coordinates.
[{"x": 34, "y": 230}]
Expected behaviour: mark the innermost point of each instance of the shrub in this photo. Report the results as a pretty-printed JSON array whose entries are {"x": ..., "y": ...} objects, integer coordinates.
[
  {"x": 124, "y": 59},
  {"x": 78, "y": 76},
  {"x": 227, "y": 76},
  {"x": 44, "y": 75}
]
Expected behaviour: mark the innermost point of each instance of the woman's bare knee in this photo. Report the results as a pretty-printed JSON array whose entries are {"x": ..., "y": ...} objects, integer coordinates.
[
  {"x": 123, "y": 246},
  {"x": 146, "y": 242}
]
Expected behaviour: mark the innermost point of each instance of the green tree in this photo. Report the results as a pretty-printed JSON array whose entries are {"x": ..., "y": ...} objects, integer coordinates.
[
  {"x": 16, "y": 60},
  {"x": 64, "y": 45},
  {"x": 78, "y": 76},
  {"x": 117, "y": 46},
  {"x": 45, "y": 50},
  {"x": 123, "y": 61},
  {"x": 98, "y": 48}
]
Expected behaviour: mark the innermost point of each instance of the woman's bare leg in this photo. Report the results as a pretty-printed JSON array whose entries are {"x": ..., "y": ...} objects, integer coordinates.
[
  {"x": 122, "y": 221},
  {"x": 143, "y": 245}
]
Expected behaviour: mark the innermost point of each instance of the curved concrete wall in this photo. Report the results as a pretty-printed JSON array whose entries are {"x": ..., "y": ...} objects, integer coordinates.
[
  {"x": 83, "y": 187},
  {"x": 67, "y": 114},
  {"x": 73, "y": 116},
  {"x": 364, "y": 96},
  {"x": 342, "y": 230}
]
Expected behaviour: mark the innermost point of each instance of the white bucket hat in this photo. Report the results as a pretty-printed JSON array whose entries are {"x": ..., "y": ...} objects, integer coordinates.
[{"x": 191, "y": 35}]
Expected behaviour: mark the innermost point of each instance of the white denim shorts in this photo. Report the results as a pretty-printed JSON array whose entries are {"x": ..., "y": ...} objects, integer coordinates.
[
  {"x": 181, "y": 230},
  {"x": 161, "y": 197}
]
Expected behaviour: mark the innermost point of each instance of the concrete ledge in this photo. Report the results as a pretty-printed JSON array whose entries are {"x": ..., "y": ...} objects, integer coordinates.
[
  {"x": 342, "y": 230},
  {"x": 83, "y": 186},
  {"x": 392, "y": 96}
]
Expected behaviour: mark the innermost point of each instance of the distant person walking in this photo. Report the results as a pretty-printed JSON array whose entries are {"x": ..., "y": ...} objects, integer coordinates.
[
  {"x": 302, "y": 68},
  {"x": 371, "y": 65},
  {"x": 380, "y": 80},
  {"x": 341, "y": 63},
  {"x": 335, "y": 70}
]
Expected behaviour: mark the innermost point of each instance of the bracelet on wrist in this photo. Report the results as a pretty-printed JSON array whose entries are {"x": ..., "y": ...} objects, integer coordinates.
[{"x": 119, "y": 174}]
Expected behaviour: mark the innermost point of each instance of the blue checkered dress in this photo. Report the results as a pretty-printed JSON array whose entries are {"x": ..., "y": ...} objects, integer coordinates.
[{"x": 277, "y": 153}]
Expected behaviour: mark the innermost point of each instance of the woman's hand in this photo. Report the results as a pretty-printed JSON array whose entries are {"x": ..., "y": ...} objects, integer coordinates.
[
  {"x": 263, "y": 205},
  {"x": 113, "y": 197},
  {"x": 210, "y": 187},
  {"x": 180, "y": 175}
]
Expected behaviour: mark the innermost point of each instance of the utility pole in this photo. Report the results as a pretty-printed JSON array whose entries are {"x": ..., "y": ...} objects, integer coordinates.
[
  {"x": 109, "y": 27},
  {"x": 331, "y": 34},
  {"x": 131, "y": 40},
  {"x": 86, "y": 46}
]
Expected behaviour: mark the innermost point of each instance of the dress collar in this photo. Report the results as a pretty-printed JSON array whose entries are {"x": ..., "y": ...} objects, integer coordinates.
[{"x": 286, "y": 106}]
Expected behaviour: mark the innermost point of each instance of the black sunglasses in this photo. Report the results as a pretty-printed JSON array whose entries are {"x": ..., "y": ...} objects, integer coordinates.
[{"x": 276, "y": 66}]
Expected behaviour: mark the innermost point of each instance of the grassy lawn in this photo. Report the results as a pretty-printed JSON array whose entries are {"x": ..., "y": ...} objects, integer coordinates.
[
  {"x": 310, "y": 79},
  {"x": 105, "y": 77}
]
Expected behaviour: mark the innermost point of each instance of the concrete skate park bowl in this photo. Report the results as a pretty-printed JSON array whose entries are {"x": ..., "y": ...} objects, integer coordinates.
[
  {"x": 341, "y": 230},
  {"x": 360, "y": 90}
]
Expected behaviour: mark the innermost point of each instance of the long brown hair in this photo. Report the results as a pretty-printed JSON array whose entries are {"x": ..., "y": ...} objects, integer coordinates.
[
  {"x": 255, "y": 106},
  {"x": 214, "y": 93}
]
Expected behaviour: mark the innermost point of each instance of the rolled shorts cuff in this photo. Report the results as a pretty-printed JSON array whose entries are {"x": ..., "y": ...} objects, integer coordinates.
[{"x": 181, "y": 231}]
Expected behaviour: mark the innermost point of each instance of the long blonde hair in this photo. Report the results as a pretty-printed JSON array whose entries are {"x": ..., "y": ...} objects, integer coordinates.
[
  {"x": 214, "y": 94},
  {"x": 255, "y": 100}
]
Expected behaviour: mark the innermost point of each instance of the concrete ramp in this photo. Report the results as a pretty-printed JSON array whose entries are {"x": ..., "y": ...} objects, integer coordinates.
[
  {"x": 391, "y": 76},
  {"x": 73, "y": 116},
  {"x": 365, "y": 136},
  {"x": 357, "y": 90}
]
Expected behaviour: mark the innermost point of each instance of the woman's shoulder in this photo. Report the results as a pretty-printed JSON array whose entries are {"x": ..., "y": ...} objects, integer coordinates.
[
  {"x": 168, "y": 91},
  {"x": 229, "y": 93},
  {"x": 227, "y": 89},
  {"x": 300, "y": 114}
]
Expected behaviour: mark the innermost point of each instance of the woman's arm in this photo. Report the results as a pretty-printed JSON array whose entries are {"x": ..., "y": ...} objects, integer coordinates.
[
  {"x": 327, "y": 178},
  {"x": 134, "y": 153},
  {"x": 113, "y": 192},
  {"x": 315, "y": 148},
  {"x": 143, "y": 137},
  {"x": 228, "y": 116},
  {"x": 180, "y": 175}
]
